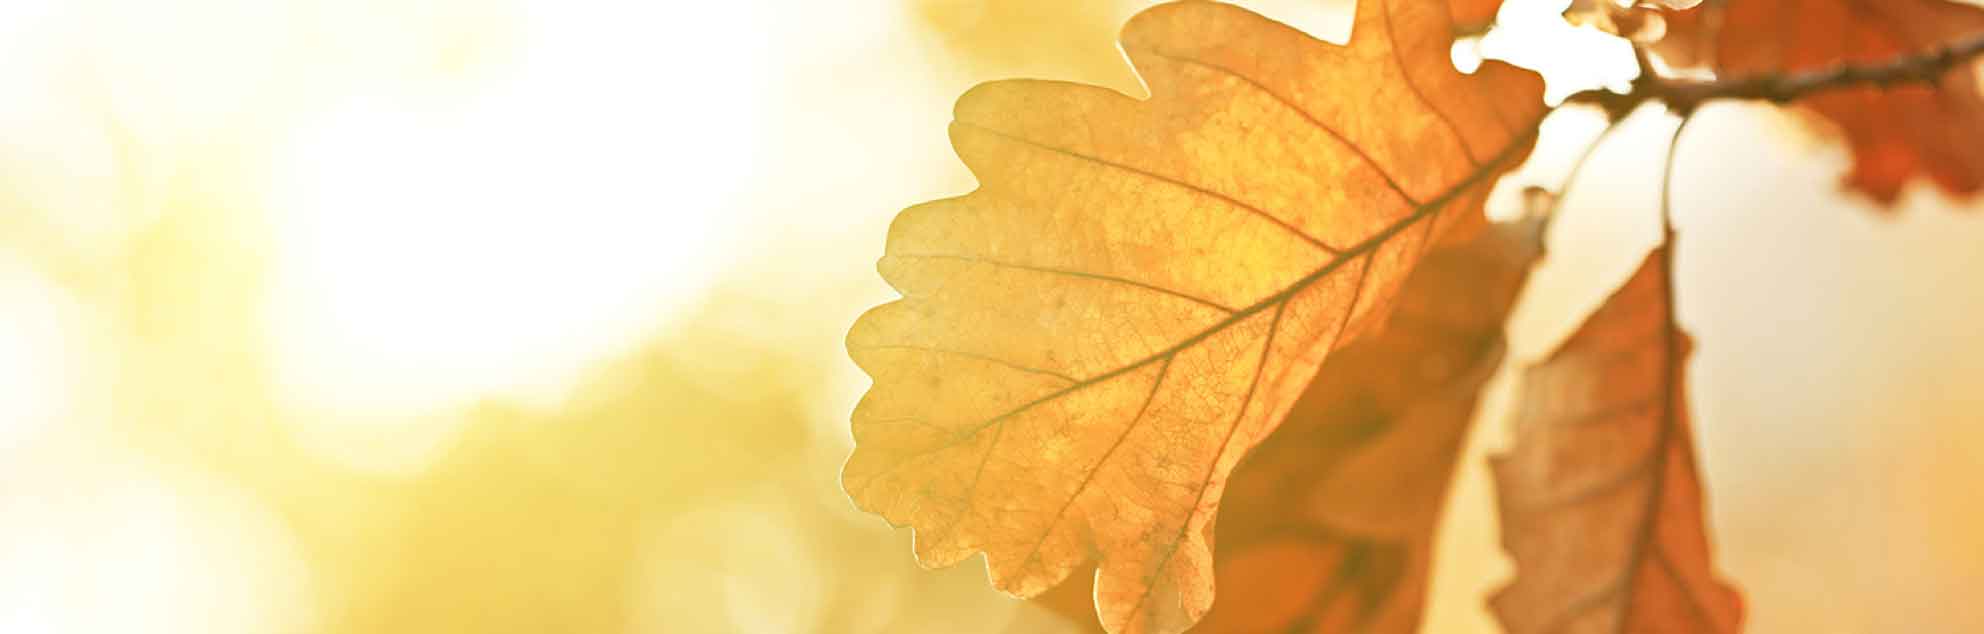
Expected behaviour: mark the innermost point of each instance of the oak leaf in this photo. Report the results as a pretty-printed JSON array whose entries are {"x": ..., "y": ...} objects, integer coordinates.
[
  {"x": 1600, "y": 498},
  {"x": 1139, "y": 289},
  {"x": 1896, "y": 133},
  {"x": 1327, "y": 527}
]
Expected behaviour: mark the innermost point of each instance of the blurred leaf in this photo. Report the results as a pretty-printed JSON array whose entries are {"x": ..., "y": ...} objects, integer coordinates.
[
  {"x": 1139, "y": 290},
  {"x": 532, "y": 521},
  {"x": 1896, "y": 133},
  {"x": 1601, "y": 501}
]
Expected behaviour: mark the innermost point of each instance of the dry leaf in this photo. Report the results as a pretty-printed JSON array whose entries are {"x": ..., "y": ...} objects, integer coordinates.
[
  {"x": 1328, "y": 526},
  {"x": 1139, "y": 289},
  {"x": 1895, "y": 133},
  {"x": 1600, "y": 498},
  {"x": 1362, "y": 465}
]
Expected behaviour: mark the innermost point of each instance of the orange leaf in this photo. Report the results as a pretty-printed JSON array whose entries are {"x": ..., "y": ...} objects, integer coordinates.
[
  {"x": 1328, "y": 526},
  {"x": 1139, "y": 289},
  {"x": 1601, "y": 504},
  {"x": 1895, "y": 133}
]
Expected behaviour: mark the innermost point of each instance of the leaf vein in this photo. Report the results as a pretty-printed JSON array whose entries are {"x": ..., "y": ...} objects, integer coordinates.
[
  {"x": 1235, "y": 202},
  {"x": 1369, "y": 244},
  {"x": 1367, "y": 159},
  {"x": 1072, "y": 273},
  {"x": 1089, "y": 475},
  {"x": 1413, "y": 85},
  {"x": 969, "y": 355},
  {"x": 1212, "y": 465}
]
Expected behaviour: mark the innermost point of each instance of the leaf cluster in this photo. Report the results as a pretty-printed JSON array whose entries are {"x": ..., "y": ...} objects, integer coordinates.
[{"x": 1232, "y": 335}]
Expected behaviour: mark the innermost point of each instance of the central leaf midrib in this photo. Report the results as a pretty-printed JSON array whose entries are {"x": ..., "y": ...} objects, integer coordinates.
[{"x": 1368, "y": 245}]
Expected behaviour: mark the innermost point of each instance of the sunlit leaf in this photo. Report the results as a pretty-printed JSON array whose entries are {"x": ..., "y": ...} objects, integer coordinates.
[
  {"x": 1362, "y": 465},
  {"x": 1327, "y": 527},
  {"x": 1138, "y": 290}
]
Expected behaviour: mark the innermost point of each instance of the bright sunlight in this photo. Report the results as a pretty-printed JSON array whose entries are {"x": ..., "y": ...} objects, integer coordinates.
[{"x": 559, "y": 203}]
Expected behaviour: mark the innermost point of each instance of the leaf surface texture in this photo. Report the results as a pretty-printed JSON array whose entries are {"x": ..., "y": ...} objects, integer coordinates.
[
  {"x": 1327, "y": 527},
  {"x": 1138, "y": 290}
]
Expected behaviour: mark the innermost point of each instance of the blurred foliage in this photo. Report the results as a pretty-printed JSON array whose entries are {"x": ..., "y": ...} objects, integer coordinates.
[
  {"x": 682, "y": 487},
  {"x": 530, "y": 523}
]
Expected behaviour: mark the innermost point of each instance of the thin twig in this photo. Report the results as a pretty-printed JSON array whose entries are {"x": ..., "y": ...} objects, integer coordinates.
[
  {"x": 1571, "y": 177},
  {"x": 1684, "y": 95},
  {"x": 1667, "y": 184}
]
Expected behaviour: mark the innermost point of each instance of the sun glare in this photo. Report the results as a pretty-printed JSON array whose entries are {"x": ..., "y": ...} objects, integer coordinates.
[
  {"x": 36, "y": 354},
  {"x": 436, "y": 248},
  {"x": 117, "y": 548},
  {"x": 1530, "y": 34}
]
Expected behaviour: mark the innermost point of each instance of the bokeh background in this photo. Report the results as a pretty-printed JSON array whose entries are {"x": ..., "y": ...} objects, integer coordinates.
[{"x": 525, "y": 316}]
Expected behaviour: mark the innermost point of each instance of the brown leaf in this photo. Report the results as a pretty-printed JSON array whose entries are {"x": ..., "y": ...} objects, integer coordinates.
[
  {"x": 1328, "y": 526},
  {"x": 1601, "y": 503},
  {"x": 1895, "y": 133},
  {"x": 1139, "y": 289}
]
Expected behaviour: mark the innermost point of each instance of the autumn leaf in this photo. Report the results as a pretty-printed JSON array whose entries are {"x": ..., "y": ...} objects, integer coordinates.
[
  {"x": 1600, "y": 498},
  {"x": 1139, "y": 289},
  {"x": 1896, "y": 133},
  {"x": 1358, "y": 474},
  {"x": 1328, "y": 525}
]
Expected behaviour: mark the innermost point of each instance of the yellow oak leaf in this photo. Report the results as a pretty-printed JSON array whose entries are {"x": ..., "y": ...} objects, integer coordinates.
[{"x": 1140, "y": 288}]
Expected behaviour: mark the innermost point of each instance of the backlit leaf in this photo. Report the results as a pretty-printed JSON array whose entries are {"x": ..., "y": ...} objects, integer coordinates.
[
  {"x": 1327, "y": 527},
  {"x": 1139, "y": 289},
  {"x": 1359, "y": 472},
  {"x": 1600, "y": 498}
]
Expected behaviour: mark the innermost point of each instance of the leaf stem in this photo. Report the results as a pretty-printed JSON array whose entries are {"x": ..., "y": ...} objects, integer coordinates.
[
  {"x": 1571, "y": 177},
  {"x": 1670, "y": 386},
  {"x": 1667, "y": 184}
]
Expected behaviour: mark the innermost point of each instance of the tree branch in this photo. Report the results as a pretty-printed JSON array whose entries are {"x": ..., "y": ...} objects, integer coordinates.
[{"x": 1685, "y": 95}]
